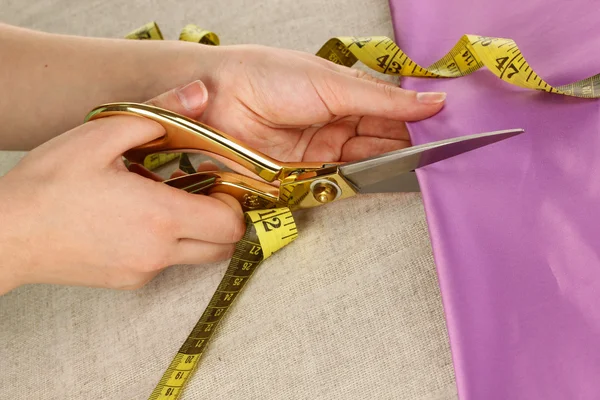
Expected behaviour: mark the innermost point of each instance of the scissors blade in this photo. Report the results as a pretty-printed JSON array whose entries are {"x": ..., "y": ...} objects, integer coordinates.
[{"x": 393, "y": 171}]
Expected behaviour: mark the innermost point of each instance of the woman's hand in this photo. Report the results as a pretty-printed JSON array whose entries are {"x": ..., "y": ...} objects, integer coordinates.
[
  {"x": 295, "y": 106},
  {"x": 291, "y": 105},
  {"x": 71, "y": 213}
]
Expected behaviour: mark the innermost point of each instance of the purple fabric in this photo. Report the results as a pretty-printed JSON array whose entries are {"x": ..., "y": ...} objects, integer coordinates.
[{"x": 515, "y": 226}]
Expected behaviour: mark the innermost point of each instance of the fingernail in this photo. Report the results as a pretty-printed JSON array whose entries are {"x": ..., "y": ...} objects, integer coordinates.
[
  {"x": 193, "y": 95},
  {"x": 431, "y": 97}
]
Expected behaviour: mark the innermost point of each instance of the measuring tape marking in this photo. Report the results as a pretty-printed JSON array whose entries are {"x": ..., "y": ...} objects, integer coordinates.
[
  {"x": 501, "y": 56},
  {"x": 266, "y": 232}
]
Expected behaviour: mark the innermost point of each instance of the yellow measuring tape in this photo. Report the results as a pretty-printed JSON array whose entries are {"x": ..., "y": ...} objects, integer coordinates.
[
  {"x": 268, "y": 231},
  {"x": 500, "y": 56}
]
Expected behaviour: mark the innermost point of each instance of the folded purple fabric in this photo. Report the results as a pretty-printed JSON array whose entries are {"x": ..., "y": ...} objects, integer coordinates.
[{"x": 515, "y": 226}]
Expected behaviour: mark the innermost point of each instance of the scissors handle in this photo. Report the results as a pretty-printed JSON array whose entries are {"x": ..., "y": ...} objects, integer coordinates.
[
  {"x": 297, "y": 181},
  {"x": 187, "y": 135},
  {"x": 250, "y": 193}
]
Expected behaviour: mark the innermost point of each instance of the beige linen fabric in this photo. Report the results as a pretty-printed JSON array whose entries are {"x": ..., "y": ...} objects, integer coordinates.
[{"x": 350, "y": 310}]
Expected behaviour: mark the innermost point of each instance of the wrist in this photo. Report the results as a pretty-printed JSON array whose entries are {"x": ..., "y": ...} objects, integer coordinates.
[{"x": 186, "y": 62}]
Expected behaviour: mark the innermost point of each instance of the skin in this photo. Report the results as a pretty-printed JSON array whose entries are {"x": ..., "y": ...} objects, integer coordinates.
[{"x": 91, "y": 221}]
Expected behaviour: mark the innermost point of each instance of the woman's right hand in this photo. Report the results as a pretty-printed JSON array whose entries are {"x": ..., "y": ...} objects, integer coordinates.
[{"x": 71, "y": 213}]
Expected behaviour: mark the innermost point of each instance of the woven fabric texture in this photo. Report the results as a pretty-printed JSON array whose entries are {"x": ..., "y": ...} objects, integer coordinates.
[{"x": 350, "y": 310}]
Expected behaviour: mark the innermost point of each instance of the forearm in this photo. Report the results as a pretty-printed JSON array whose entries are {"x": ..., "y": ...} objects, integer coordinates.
[{"x": 49, "y": 82}]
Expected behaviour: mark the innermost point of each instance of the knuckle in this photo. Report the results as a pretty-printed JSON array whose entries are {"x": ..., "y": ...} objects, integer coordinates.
[
  {"x": 363, "y": 75},
  {"x": 331, "y": 96},
  {"x": 160, "y": 100},
  {"x": 388, "y": 90},
  {"x": 161, "y": 222},
  {"x": 233, "y": 226},
  {"x": 238, "y": 229},
  {"x": 360, "y": 74},
  {"x": 221, "y": 253},
  {"x": 227, "y": 252},
  {"x": 153, "y": 256},
  {"x": 230, "y": 215}
]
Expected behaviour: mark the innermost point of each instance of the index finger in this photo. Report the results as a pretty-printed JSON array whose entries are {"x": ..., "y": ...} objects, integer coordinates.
[{"x": 348, "y": 95}]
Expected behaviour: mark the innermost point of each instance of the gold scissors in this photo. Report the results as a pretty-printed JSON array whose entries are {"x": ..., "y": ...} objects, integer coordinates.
[{"x": 300, "y": 185}]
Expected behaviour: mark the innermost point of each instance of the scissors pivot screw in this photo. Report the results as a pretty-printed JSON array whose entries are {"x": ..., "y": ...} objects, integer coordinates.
[{"x": 324, "y": 191}]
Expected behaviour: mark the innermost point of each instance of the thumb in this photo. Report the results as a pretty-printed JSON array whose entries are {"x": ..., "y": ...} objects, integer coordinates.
[
  {"x": 189, "y": 100},
  {"x": 349, "y": 95},
  {"x": 117, "y": 134}
]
